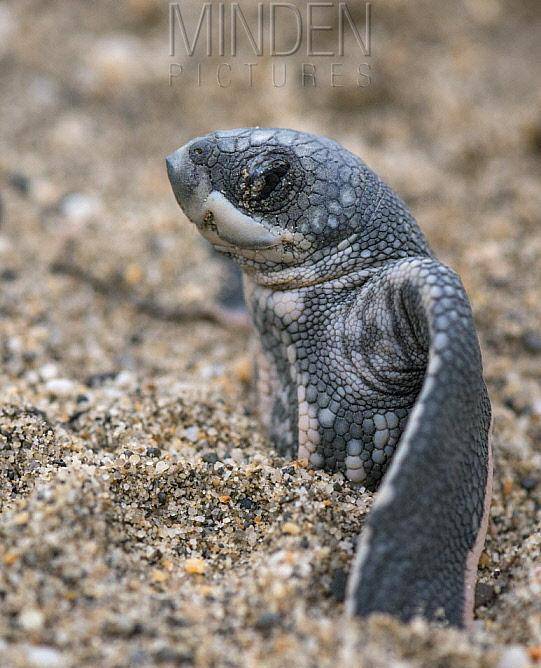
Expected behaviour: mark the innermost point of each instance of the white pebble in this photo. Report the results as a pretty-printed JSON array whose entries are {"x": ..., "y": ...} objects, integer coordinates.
[
  {"x": 251, "y": 536},
  {"x": 48, "y": 371},
  {"x": 80, "y": 208},
  {"x": 44, "y": 657},
  {"x": 61, "y": 387},
  {"x": 125, "y": 379},
  {"x": 161, "y": 467},
  {"x": 31, "y": 619},
  {"x": 536, "y": 407},
  {"x": 237, "y": 455},
  {"x": 31, "y": 377},
  {"x": 514, "y": 657},
  {"x": 191, "y": 434}
]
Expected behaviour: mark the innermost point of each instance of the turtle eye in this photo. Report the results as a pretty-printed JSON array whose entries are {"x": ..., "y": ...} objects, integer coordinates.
[{"x": 265, "y": 179}]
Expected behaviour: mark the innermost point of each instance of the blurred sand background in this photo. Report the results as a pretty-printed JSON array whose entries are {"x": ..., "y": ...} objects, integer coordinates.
[{"x": 143, "y": 519}]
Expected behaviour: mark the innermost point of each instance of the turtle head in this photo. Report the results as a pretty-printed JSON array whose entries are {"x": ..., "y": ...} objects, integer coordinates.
[{"x": 275, "y": 199}]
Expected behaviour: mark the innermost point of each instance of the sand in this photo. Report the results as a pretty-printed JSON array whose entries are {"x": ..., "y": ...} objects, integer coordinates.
[{"x": 144, "y": 519}]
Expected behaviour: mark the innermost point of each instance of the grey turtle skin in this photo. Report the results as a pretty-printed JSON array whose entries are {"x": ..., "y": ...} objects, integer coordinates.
[{"x": 369, "y": 362}]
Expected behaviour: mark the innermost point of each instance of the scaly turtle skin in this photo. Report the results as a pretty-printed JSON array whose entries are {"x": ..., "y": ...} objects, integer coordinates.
[{"x": 369, "y": 360}]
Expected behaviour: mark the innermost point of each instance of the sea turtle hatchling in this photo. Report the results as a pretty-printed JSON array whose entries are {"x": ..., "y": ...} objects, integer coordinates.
[{"x": 369, "y": 360}]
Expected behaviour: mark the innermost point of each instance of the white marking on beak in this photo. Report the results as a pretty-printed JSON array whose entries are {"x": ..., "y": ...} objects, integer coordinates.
[{"x": 237, "y": 228}]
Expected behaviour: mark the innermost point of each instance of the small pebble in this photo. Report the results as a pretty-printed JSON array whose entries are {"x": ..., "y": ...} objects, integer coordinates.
[
  {"x": 267, "y": 621},
  {"x": 8, "y": 275},
  {"x": 484, "y": 594},
  {"x": 21, "y": 519},
  {"x": 535, "y": 653},
  {"x": 339, "y": 585},
  {"x": 40, "y": 656},
  {"x": 514, "y": 657},
  {"x": 246, "y": 504},
  {"x": 20, "y": 182},
  {"x": 192, "y": 434},
  {"x": 48, "y": 371},
  {"x": 60, "y": 387},
  {"x": 79, "y": 207},
  {"x": 31, "y": 619},
  {"x": 291, "y": 529},
  {"x": 532, "y": 342},
  {"x": 529, "y": 483},
  {"x": 161, "y": 467},
  {"x": 195, "y": 566},
  {"x": 159, "y": 576}
]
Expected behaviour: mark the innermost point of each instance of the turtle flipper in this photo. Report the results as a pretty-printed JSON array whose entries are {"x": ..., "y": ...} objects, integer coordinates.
[{"x": 419, "y": 551}]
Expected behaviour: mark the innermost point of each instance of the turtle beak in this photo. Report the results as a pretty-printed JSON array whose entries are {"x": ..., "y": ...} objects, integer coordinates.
[
  {"x": 218, "y": 220},
  {"x": 190, "y": 183}
]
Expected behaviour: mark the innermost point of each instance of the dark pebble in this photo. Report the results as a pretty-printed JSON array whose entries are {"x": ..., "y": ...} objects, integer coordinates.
[
  {"x": 178, "y": 622},
  {"x": 338, "y": 585},
  {"x": 176, "y": 657},
  {"x": 528, "y": 483},
  {"x": 153, "y": 452},
  {"x": 499, "y": 282},
  {"x": 531, "y": 341},
  {"x": 116, "y": 630},
  {"x": 246, "y": 504},
  {"x": 510, "y": 403},
  {"x": 136, "y": 339},
  {"x": 210, "y": 457},
  {"x": 97, "y": 379},
  {"x": 19, "y": 182},
  {"x": 267, "y": 621},
  {"x": 484, "y": 594},
  {"x": 8, "y": 275}
]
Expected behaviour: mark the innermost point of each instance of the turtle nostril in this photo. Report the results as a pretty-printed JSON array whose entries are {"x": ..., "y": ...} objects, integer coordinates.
[{"x": 199, "y": 151}]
